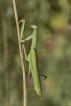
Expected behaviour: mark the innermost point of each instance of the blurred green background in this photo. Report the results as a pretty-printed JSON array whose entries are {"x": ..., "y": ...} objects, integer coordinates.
[{"x": 53, "y": 19}]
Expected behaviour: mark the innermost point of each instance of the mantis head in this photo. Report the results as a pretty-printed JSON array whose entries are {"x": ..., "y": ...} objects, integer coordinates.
[{"x": 33, "y": 26}]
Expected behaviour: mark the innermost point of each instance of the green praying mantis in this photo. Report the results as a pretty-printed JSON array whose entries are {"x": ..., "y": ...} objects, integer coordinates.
[{"x": 32, "y": 57}]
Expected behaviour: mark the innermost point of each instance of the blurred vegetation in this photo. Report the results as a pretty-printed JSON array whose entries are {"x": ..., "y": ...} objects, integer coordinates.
[{"x": 53, "y": 19}]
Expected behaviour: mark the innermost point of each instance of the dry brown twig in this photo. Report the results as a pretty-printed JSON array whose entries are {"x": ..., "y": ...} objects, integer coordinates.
[{"x": 21, "y": 56}]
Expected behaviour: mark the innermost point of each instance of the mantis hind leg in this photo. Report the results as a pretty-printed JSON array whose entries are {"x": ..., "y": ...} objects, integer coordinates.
[
  {"x": 28, "y": 78},
  {"x": 28, "y": 74},
  {"x": 45, "y": 77}
]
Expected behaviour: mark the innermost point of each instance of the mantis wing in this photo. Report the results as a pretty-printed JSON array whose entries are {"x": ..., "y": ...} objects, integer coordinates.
[{"x": 34, "y": 71}]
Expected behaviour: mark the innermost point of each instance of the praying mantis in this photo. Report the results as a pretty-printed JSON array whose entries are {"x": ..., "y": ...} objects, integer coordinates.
[{"x": 32, "y": 57}]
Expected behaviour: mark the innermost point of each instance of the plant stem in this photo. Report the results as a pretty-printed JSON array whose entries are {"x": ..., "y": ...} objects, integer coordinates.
[{"x": 21, "y": 56}]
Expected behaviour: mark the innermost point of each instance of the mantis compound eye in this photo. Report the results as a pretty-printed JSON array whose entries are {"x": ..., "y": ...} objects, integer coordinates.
[{"x": 33, "y": 26}]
